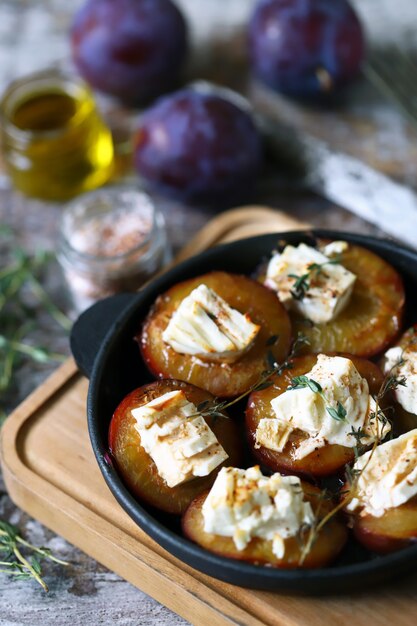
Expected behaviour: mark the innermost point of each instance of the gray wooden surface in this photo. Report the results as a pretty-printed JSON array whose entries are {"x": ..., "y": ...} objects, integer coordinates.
[{"x": 33, "y": 35}]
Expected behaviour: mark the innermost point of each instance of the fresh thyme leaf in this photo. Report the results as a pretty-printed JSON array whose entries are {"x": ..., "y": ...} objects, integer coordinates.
[
  {"x": 15, "y": 562},
  {"x": 304, "y": 382},
  {"x": 359, "y": 434},
  {"x": 275, "y": 369},
  {"x": 203, "y": 405},
  {"x": 339, "y": 413},
  {"x": 20, "y": 279},
  {"x": 353, "y": 474},
  {"x": 301, "y": 382},
  {"x": 8, "y": 532},
  {"x": 301, "y": 286},
  {"x": 302, "y": 283},
  {"x": 36, "y": 565}
]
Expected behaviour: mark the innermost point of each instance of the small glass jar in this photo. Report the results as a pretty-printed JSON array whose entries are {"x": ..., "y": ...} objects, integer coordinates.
[
  {"x": 54, "y": 141},
  {"x": 111, "y": 240}
]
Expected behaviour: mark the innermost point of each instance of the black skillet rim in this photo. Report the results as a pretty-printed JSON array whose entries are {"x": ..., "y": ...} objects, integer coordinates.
[{"x": 343, "y": 578}]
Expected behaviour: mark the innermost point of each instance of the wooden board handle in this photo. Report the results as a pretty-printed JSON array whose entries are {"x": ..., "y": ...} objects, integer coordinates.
[{"x": 240, "y": 223}]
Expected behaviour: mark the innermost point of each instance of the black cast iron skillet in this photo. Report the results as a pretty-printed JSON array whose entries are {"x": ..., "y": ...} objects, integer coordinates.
[{"x": 104, "y": 350}]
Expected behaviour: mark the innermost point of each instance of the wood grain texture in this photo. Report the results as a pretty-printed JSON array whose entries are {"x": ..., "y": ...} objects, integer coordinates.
[
  {"x": 33, "y": 34},
  {"x": 46, "y": 457}
]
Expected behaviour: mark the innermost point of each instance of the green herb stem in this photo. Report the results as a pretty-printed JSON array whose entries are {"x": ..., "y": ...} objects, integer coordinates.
[
  {"x": 18, "y": 564},
  {"x": 49, "y": 305}
]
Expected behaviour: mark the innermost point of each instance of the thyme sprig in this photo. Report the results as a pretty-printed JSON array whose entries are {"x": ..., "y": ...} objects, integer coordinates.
[
  {"x": 303, "y": 382},
  {"x": 353, "y": 474},
  {"x": 302, "y": 282},
  {"x": 21, "y": 559},
  {"x": 216, "y": 408},
  {"x": 21, "y": 292}
]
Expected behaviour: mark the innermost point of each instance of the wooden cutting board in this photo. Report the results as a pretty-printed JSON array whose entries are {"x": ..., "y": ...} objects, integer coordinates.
[{"x": 51, "y": 473}]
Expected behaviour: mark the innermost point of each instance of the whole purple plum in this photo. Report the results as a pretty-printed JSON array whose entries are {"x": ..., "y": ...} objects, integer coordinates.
[
  {"x": 132, "y": 49},
  {"x": 305, "y": 47},
  {"x": 199, "y": 146}
]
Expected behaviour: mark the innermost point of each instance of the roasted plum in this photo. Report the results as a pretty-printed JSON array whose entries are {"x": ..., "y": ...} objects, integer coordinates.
[
  {"x": 137, "y": 468},
  {"x": 395, "y": 529},
  {"x": 325, "y": 549},
  {"x": 373, "y": 316},
  {"x": 221, "y": 379},
  {"x": 324, "y": 461},
  {"x": 305, "y": 48},
  {"x": 198, "y": 145},
  {"x": 404, "y": 420},
  {"x": 132, "y": 49}
]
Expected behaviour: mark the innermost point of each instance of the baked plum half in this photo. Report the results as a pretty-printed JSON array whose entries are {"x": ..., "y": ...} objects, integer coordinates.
[
  {"x": 394, "y": 530},
  {"x": 136, "y": 466},
  {"x": 373, "y": 315},
  {"x": 324, "y": 461},
  {"x": 380, "y": 495},
  {"x": 327, "y": 546},
  {"x": 400, "y": 361},
  {"x": 222, "y": 379}
]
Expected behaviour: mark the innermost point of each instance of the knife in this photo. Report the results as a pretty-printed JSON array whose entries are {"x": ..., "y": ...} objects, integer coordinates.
[
  {"x": 312, "y": 164},
  {"x": 343, "y": 179}
]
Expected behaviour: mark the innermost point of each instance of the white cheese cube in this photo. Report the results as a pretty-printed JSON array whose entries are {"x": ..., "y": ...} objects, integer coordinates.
[
  {"x": 328, "y": 289},
  {"x": 177, "y": 438},
  {"x": 206, "y": 326},
  {"x": 307, "y": 410},
  {"x": 388, "y": 475},
  {"x": 406, "y": 395},
  {"x": 244, "y": 504}
]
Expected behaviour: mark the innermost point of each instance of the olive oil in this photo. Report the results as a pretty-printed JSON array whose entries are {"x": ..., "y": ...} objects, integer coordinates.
[{"x": 55, "y": 143}]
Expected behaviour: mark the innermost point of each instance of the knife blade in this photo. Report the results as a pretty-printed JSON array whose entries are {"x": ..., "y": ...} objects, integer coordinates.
[
  {"x": 359, "y": 188},
  {"x": 341, "y": 178}
]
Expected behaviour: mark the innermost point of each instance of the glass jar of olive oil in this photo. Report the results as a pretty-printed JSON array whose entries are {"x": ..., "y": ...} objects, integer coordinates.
[{"x": 54, "y": 141}]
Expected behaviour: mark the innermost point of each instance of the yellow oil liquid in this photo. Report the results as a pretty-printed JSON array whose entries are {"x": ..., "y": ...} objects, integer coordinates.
[{"x": 55, "y": 143}]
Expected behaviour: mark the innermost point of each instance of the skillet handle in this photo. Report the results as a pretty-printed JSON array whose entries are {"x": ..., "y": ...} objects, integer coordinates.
[{"x": 90, "y": 329}]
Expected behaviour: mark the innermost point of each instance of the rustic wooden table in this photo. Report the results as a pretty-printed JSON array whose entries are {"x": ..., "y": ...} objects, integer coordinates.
[{"x": 32, "y": 36}]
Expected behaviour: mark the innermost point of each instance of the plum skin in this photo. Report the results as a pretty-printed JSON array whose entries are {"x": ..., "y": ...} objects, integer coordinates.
[
  {"x": 132, "y": 49},
  {"x": 198, "y": 146},
  {"x": 137, "y": 468},
  {"x": 405, "y": 420},
  {"x": 324, "y": 461},
  {"x": 290, "y": 42},
  {"x": 372, "y": 318},
  {"x": 330, "y": 541},
  {"x": 224, "y": 380},
  {"x": 394, "y": 530}
]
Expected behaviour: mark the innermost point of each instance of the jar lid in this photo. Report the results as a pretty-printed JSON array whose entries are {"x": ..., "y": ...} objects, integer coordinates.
[{"x": 109, "y": 223}]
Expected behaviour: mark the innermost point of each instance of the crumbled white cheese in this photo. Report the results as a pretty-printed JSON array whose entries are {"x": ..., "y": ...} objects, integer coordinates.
[
  {"x": 272, "y": 434},
  {"x": 177, "y": 438},
  {"x": 306, "y": 410},
  {"x": 335, "y": 248},
  {"x": 389, "y": 476},
  {"x": 328, "y": 290},
  {"x": 406, "y": 395},
  {"x": 244, "y": 504},
  {"x": 206, "y": 326}
]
